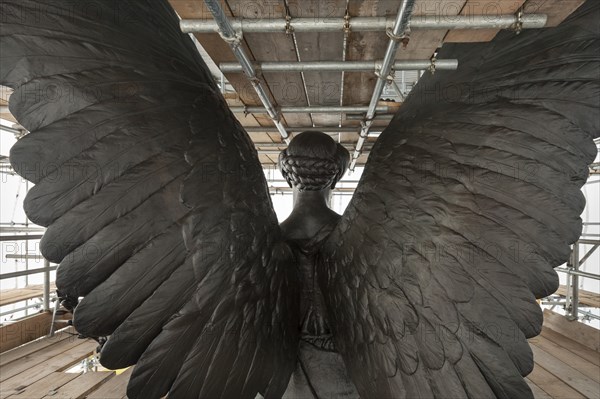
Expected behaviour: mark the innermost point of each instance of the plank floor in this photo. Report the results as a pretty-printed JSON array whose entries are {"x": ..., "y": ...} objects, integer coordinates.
[{"x": 564, "y": 369}]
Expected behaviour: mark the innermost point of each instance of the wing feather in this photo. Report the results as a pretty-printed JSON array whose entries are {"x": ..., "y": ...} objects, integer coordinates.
[{"x": 145, "y": 323}]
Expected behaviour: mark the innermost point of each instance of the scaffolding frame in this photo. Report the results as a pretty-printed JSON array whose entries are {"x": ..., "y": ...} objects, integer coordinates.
[
  {"x": 572, "y": 304},
  {"x": 397, "y": 28}
]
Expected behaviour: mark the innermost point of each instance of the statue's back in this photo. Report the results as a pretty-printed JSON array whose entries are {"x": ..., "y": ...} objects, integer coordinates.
[{"x": 320, "y": 372}]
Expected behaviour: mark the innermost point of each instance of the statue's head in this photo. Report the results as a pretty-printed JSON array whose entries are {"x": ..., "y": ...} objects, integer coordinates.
[{"x": 313, "y": 161}]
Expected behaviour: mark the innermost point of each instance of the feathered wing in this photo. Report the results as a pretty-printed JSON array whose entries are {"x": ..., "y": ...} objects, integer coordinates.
[
  {"x": 469, "y": 199},
  {"x": 155, "y": 202}
]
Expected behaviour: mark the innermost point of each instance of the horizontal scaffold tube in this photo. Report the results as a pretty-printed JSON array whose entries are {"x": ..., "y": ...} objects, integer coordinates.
[
  {"x": 366, "y": 66},
  {"x": 363, "y": 24},
  {"x": 324, "y": 129},
  {"x": 313, "y": 110}
]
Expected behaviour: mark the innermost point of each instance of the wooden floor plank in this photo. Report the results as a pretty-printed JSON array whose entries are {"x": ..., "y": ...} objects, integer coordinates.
[
  {"x": 59, "y": 362},
  {"x": 575, "y": 347},
  {"x": 81, "y": 386},
  {"x": 45, "y": 386},
  {"x": 35, "y": 358},
  {"x": 115, "y": 388},
  {"x": 538, "y": 392},
  {"x": 575, "y": 379},
  {"x": 35, "y": 346},
  {"x": 587, "y": 368},
  {"x": 579, "y": 332},
  {"x": 552, "y": 385}
]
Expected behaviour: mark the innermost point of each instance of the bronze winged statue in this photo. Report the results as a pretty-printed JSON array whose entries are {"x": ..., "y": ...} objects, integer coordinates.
[{"x": 159, "y": 214}]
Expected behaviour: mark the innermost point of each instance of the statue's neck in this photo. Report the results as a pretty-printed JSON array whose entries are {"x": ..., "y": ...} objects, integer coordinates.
[
  {"x": 312, "y": 199},
  {"x": 311, "y": 213}
]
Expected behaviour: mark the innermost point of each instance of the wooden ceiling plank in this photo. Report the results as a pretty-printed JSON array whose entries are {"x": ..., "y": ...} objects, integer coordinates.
[
  {"x": 482, "y": 7},
  {"x": 264, "y": 159},
  {"x": 323, "y": 88},
  {"x": 260, "y": 137},
  {"x": 287, "y": 88},
  {"x": 423, "y": 43},
  {"x": 358, "y": 87},
  {"x": 220, "y": 51},
  {"x": 557, "y": 10}
]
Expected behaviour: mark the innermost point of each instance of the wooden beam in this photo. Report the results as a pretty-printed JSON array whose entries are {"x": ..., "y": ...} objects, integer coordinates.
[
  {"x": 585, "y": 297},
  {"x": 8, "y": 297},
  {"x": 25, "y": 330}
]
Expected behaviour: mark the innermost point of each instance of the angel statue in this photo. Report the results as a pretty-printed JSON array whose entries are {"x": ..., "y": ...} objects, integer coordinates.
[{"x": 159, "y": 214}]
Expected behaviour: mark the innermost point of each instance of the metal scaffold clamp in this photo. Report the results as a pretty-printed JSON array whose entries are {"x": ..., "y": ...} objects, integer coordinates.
[
  {"x": 289, "y": 29},
  {"x": 276, "y": 116},
  {"x": 432, "y": 66},
  {"x": 403, "y": 38},
  {"x": 234, "y": 41},
  {"x": 346, "y": 27},
  {"x": 389, "y": 78},
  {"x": 518, "y": 25},
  {"x": 364, "y": 128}
]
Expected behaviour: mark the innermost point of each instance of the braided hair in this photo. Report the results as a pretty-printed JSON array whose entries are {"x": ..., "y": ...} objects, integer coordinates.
[{"x": 313, "y": 161}]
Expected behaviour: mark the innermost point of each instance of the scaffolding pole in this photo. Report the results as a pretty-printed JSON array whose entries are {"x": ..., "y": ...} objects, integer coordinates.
[
  {"x": 46, "y": 285},
  {"x": 573, "y": 275},
  {"x": 365, "y": 24},
  {"x": 396, "y": 35},
  {"x": 339, "y": 66},
  {"x": 575, "y": 284},
  {"x": 323, "y": 109},
  {"x": 324, "y": 129}
]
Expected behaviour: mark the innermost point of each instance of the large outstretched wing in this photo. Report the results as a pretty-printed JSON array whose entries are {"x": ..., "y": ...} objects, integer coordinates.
[
  {"x": 469, "y": 199},
  {"x": 130, "y": 144}
]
